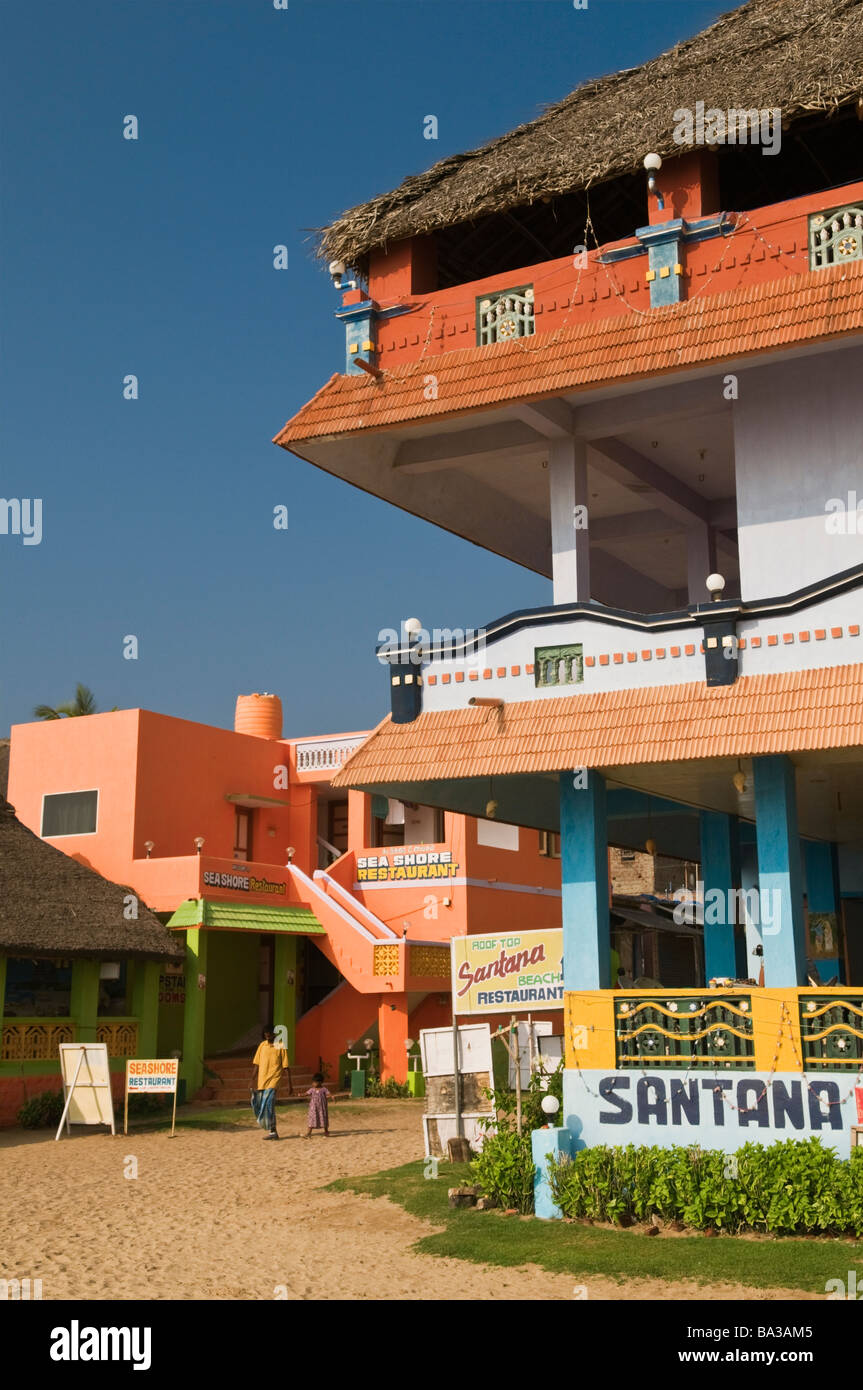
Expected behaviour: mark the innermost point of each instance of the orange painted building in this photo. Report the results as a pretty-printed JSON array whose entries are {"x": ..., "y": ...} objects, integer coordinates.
[{"x": 325, "y": 911}]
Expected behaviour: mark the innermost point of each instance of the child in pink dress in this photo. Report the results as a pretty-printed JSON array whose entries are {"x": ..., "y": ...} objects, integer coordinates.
[{"x": 319, "y": 1117}]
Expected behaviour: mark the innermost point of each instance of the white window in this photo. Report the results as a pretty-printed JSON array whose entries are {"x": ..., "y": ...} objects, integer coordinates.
[
  {"x": 496, "y": 834},
  {"x": 69, "y": 813}
]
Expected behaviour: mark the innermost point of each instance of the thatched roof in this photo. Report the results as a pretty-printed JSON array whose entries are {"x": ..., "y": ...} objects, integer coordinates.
[
  {"x": 52, "y": 905},
  {"x": 802, "y": 56}
]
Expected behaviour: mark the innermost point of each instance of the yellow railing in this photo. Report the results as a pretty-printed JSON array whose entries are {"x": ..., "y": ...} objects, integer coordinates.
[
  {"x": 609, "y": 1029},
  {"x": 37, "y": 1039}
]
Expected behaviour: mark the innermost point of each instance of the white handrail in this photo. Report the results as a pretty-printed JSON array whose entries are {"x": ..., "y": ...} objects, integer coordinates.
[{"x": 358, "y": 907}]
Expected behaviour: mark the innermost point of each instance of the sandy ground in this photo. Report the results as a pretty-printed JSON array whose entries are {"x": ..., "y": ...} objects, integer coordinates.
[{"x": 223, "y": 1214}]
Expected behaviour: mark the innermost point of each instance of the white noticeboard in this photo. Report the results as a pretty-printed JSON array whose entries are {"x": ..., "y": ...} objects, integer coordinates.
[
  {"x": 86, "y": 1086},
  {"x": 474, "y": 1049}
]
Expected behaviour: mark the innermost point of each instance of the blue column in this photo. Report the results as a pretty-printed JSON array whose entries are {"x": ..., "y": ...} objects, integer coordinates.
[
  {"x": 584, "y": 881},
  {"x": 780, "y": 875},
  {"x": 720, "y": 875},
  {"x": 821, "y": 861},
  {"x": 544, "y": 1142}
]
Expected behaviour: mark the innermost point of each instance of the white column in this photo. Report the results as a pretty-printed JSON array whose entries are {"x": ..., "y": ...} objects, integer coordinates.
[
  {"x": 570, "y": 537},
  {"x": 700, "y": 560}
]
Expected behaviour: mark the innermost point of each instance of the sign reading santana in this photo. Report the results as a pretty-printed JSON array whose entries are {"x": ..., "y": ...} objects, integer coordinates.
[{"x": 521, "y": 970}]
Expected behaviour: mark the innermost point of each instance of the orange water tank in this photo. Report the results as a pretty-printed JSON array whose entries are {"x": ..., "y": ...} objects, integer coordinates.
[{"x": 260, "y": 715}]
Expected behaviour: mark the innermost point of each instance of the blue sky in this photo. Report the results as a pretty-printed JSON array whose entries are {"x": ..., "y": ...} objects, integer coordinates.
[{"x": 155, "y": 257}]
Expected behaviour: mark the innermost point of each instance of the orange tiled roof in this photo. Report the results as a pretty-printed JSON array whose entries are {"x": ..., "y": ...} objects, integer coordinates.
[
  {"x": 751, "y": 319},
  {"x": 783, "y": 713}
]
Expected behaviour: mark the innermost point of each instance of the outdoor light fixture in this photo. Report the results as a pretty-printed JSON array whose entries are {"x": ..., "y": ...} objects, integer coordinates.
[
  {"x": 653, "y": 164},
  {"x": 490, "y": 810},
  {"x": 650, "y": 846},
  {"x": 290, "y": 852},
  {"x": 714, "y": 584},
  {"x": 409, "y": 1043},
  {"x": 149, "y": 846},
  {"x": 368, "y": 1044},
  {"x": 550, "y": 1105},
  {"x": 337, "y": 270},
  {"x": 739, "y": 779},
  {"x": 199, "y": 843}
]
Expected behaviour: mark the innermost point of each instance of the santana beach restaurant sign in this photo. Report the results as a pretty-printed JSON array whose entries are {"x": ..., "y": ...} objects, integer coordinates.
[{"x": 522, "y": 970}]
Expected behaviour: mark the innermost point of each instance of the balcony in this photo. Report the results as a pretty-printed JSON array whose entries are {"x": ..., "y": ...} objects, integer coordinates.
[
  {"x": 766, "y": 243},
  {"x": 318, "y": 758}
]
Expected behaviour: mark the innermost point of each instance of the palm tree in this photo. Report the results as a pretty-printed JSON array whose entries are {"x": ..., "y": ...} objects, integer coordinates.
[{"x": 84, "y": 703}]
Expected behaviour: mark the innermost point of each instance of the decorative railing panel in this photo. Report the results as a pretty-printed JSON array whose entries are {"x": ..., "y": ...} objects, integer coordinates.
[
  {"x": 325, "y": 754},
  {"x": 558, "y": 665},
  {"x": 430, "y": 960},
  {"x": 831, "y": 1032},
  {"x": 835, "y": 237},
  {"x": 122, "y": 1038},
  {"x": 386, "y": 959},
  {"x": 35, "y": 1041},
  {"x": 504, "y": 316},
  {"x": 684, "y": 1032}
]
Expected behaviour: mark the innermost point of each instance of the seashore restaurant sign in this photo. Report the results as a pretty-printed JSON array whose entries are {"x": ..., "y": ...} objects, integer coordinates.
[{"x": 521, "y": 970}]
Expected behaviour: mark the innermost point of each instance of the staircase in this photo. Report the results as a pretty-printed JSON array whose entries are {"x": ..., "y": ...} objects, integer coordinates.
[
  {"x": 235, "y": 1081},
  {"x": 353, "y": 934}
]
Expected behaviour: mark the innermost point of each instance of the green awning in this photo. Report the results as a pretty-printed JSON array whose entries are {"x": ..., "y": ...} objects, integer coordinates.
[{"x": 203, "y": 912}]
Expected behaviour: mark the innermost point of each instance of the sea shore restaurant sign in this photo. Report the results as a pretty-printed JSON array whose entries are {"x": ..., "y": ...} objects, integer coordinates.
[
  {"x": 242, "y": 881},
  {"x": 151, "y": 1076},
  {"x": 406, "y": 865},
  {"x": 520, "y": 970}
]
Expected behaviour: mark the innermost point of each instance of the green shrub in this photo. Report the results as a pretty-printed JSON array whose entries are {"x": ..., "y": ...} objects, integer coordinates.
[
  {"x": 791, "y": 1188},
  {"x": 504, "y": 1167},
  {"x": 386, "y": 1090},
  {"x": 39, "y": 1111}
]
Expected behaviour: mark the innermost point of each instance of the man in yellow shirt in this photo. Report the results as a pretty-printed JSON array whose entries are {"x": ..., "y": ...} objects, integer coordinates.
[{"x": 268, "y": 1064}]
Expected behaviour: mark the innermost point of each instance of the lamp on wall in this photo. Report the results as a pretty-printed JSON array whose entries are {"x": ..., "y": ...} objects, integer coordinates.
[
  {"x": 290, "y": 852},
  {"x": 653, "y": 164},
  {"x": 199, "y": 843},
  {"x": 715, "y": 584},
  {"x": 149, "y": 846}
]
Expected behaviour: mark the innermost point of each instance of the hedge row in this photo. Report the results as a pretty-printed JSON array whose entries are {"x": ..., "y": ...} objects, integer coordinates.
[{"x": 792, "y": 1188}]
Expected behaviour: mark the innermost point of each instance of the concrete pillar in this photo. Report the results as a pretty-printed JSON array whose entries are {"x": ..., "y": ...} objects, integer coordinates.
[
  {"x": 393, "y": 1034},
  {"x": 700, "y": 560},
  {"x": 192, "y": 1065},
  {"x": 570, "y": 538},
  {"x": 821, "y": 862},
  {"x": 145, "y": 1006},
  {"x": 720, "y": 875},
  {"x": 359, "y": 820},
  {"x": 780, "y": 876},
  {"x": 85, "y": 999},
  {"x": 285, "y": 990},
  {"x": 584, "y": 881},
  {"x": 544, "y": 1142}
]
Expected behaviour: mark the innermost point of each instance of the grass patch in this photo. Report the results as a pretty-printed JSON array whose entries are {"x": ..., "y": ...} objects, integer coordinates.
[{"x": 495, "y": 1239}]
